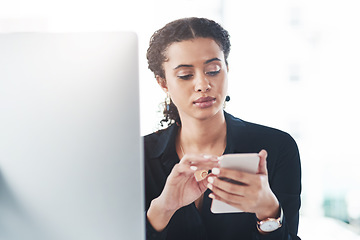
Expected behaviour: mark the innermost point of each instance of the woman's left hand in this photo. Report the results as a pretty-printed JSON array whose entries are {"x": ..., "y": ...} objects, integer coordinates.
[{"x": 253, "y": 195}]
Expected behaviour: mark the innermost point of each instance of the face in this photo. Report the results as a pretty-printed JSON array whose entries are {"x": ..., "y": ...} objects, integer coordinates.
[{"x": 195, "y": 77}]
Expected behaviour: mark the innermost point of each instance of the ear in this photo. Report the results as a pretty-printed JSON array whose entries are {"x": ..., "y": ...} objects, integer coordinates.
[{"x": 162, "y": 83}]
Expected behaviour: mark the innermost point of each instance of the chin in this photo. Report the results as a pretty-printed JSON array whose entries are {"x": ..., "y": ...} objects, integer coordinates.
[{"x": 207, "y": 113}]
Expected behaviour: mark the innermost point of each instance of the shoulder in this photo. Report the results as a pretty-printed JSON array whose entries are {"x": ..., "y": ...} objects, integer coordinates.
[
  {"x": 254, "y": 137},
  {"x": 154, "y": 137},
  {"x": 156, "y": 143},
  {"x": 239, "y": 126},
  {"x": 157, "y": 137},
  {"x": 268, "y": 132}
]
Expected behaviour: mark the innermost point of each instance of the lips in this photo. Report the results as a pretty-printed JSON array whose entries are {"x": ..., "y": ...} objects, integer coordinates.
[
  {"x": 204, "y": 102},
  {"x": 204, "y": 99}
]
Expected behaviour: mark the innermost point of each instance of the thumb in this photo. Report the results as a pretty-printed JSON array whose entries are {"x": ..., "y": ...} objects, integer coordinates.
[{"x": 262, "y": 163}]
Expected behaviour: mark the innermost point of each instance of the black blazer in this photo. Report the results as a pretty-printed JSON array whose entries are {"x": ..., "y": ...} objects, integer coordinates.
[{"x": 284, "y": 170}]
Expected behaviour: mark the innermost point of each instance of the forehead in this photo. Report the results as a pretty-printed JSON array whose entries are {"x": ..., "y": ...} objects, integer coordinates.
[{"x": 192, "y": 51}]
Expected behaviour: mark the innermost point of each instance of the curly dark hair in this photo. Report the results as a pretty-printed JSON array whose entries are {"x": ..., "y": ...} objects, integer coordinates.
[{"x": 177, "y": 31}]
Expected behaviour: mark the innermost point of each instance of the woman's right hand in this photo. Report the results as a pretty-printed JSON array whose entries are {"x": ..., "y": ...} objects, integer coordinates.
[{"x": 181, "y": 188}]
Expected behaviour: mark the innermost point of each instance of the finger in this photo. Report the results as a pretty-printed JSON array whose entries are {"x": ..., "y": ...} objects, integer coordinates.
[
  {"x": 207, "y": 166},
  {"x": 230, "y": 198},
  {"x": 203, "y": 172},
  {"x": 203, "y": 184},
  {"x": 239, "y": 205},
  {"x": 200, "y": 163},
  {"x": 262, "y": 169},
  {"x": 234, "y": 175},
  {"x": 198, "y": 159},
  {"x": 179, "y": 169},
  {"x": 226, "y": 186},
  {"x": 200, "y": 175}
]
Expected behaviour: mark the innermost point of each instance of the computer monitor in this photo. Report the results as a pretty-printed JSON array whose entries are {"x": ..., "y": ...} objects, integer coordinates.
[{"x": 71, "y": 162}]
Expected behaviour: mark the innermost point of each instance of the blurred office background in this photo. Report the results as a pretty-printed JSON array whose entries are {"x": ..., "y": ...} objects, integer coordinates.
[{"x": 294, "y": 65}]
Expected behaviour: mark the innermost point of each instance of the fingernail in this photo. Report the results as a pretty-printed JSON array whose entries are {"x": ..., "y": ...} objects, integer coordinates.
[
  {"x": 209, "y": 186},
  {"x": 215, "y": 171},
  {"x": 194, "y": 168},
  {"x": 210, "y": 179},
  {"x": 211, "y": 196}
]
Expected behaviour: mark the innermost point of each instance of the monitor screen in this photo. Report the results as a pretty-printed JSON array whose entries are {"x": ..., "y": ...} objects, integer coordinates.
[{"x": 71, "y": 162}]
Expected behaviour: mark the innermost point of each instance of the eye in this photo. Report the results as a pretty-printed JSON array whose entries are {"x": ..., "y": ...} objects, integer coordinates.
[
  {"x": 213, "y": 73},
  {"x": 212, "y": 70},
  {"x": 185, "y": 77}
]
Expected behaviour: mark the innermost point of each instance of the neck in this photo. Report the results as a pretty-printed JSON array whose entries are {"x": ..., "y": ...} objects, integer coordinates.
[{"x": 203, "y": 136}]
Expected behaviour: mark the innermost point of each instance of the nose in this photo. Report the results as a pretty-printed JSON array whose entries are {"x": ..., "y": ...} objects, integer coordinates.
[{"x": 202, "y": 84}]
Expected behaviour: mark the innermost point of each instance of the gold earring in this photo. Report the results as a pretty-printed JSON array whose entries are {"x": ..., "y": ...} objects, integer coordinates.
[{"x": 167, "y": 101}]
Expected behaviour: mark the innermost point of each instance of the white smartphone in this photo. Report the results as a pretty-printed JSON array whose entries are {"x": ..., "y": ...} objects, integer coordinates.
[{"x": 247, "y": 162}]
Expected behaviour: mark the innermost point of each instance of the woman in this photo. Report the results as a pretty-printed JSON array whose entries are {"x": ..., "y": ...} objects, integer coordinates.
[{"x": 189, "y": 61}]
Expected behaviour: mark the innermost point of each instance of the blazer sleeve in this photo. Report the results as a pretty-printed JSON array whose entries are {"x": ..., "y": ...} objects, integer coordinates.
[
  {"x": 152, "y": 234},
  {"x": 285, "y": 182}
]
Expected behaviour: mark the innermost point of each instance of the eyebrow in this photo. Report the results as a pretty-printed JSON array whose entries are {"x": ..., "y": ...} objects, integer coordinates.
[{"x": 206, "y": 62}]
